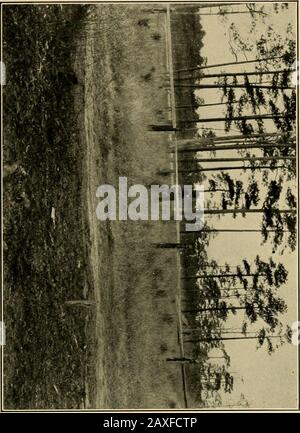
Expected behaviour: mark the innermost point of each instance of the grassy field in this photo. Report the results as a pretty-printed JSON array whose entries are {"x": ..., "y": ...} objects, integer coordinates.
[
  {"x": 136, "y": 317},
  {"x": 69, "y": 139}
]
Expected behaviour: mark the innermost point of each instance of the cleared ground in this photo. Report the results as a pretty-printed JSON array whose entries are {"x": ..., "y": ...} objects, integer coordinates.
[{"x": 134, "y": 282}]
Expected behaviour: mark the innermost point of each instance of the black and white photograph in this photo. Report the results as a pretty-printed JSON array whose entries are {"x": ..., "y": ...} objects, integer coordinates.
[{"x": 149, "y": 198}]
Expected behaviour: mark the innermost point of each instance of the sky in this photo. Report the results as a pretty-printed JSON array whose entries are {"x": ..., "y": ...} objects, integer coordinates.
[{"x": 268, "y": 381}]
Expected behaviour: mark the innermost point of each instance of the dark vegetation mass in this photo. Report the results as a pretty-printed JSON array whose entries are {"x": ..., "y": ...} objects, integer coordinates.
[{"x": 43, "y": 265}]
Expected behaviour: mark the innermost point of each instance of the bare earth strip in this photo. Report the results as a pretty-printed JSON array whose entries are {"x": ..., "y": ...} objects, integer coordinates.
[{"x": 133, "y": 282}]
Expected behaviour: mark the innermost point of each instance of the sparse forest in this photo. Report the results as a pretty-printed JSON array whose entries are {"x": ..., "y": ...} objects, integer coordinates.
[{"x": 248, "y": 169}]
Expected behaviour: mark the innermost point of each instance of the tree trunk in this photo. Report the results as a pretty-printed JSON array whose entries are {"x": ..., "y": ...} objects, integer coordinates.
[
  {"x": 230, "y": 231},
  {"x": 233, "y": 147},
  {"x": 214, "y": 5},
  {"x": 245, "y": 211},
  {"x": 199, "y": 292},
  {"x": 196, "y": 277},
  {"x": 219, "y": 13},
  {"x": 188, "y": 331},
  {"x": 235, "y": 138},
  {"x": 255, "y": 158},
  {"x": 236, "y": 118},
  {"x": 243, "y": 136},
  {"x": 238, "y": 74},
  {"x": 232, "y": 86},
  {"x": 241, "y": 167},
  {"x": 181, "y": 107},
  {"x": 229, "y": 338},
  {"x": 202, "y": 310},
  {"x": 172, "y": 196},
  {"x": 217, "y": 65},
  {"x": 214, "y": 298}
]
